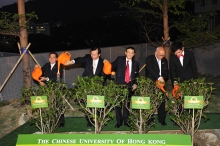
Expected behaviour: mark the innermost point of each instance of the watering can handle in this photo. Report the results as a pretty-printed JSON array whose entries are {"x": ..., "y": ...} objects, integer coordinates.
[{"x": 68, "y": 53}]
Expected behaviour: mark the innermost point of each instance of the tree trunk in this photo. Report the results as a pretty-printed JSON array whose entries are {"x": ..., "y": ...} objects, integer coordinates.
[
  {"x": 24, "y": 42},
  {"x": 166, "y": 28}
]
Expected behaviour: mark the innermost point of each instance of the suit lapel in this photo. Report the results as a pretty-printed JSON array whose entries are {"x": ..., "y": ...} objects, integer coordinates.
[
  {"x": 185, "y": 59},
  {"x": 177, "y": 60},
  {"x": 156, "y": 63},
  {"x": 132, "y": 69},
  {"x": 98, "y": 68},
  {"x": 162, "y": 66},
  {"x": 90, "y": 66},
  {"x": 123, "y": 67},
  {"x": 133, "y": 72}
]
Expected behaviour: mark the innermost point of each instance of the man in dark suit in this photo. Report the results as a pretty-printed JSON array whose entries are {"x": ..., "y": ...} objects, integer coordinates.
[
  {"x": 93, "y": 63},
  {"x": 126, "y": 69},
  {"x": 182, "y": 64},
  {"x": 93, "y": 66},
  {"x": 50, "y": 73},
  {"x": 157, "y": 69},
  {"x": 50, "y": 69}
]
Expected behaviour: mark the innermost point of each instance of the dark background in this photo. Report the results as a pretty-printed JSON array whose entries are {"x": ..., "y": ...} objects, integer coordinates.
[{"x": 84, "y": 23}]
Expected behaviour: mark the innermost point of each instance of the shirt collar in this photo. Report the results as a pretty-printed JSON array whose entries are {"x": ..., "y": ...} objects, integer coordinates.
[
  {"x": 156, "y": 58},
  {"x": 96, "y": 60},
  {"x": 128, "y": 60},
  {"x": 183, "y": 52}
]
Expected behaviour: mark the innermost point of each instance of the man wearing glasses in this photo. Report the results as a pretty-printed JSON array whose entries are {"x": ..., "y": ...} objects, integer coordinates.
[{"x": 157, "y": 69}]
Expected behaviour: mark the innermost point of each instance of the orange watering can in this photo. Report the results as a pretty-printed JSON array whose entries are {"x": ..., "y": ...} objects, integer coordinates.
[
  {"x": 107, "y": 68},
  {"x": 174, "y": 92},
  {"x": 63, "y": 58},
  {"x": 36, "y": 74},
  {"x": 160, "y": 85}
]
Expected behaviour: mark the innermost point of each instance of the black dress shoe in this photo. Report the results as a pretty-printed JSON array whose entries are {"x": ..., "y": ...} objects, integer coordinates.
[
  {"x": 126, "y": 124},
  {"x": 117, "y": 125},
  {"x": 163, "y": 123}
]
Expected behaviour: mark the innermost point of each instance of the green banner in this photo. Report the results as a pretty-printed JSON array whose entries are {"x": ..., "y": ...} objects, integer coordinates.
[
  {"x": 39, "y": 101},
  {"x": 104, "y": 139},
  {"x": 139, "y": 102},
  {"x": 195, "y": 102},
  {"x": 95, "y": 101}
]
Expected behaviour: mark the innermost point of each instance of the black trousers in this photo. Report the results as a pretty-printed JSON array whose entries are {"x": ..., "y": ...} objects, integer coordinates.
[
  {"x": 62, "y": 120},
  {"x": 162, "y": 111},
  {"x": 121, "y": 112},
  {"x": 89, "y": 124}
]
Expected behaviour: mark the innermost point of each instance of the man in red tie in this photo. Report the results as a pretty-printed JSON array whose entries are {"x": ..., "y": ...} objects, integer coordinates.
[
  {"x": 126, "y": 69},
  {"x": 182, "y": 64}
]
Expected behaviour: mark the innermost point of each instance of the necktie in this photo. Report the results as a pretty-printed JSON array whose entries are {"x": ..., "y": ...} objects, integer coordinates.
[
  {"x": 180, "y": 56},
  {"x": 127, "y": 73},
  {"x": 94, "y": 66},
  {"x": 51, "y": 66}
]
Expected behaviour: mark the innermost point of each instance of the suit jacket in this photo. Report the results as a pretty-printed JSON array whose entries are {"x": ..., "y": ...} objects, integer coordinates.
[
  {"x": 152, "y": 68},
  {"x": 88, "y": 62},
  {"x": 119, "y": 66},
  {"x": 52, "y": 74},
  {"x": 187, "y": 71}
]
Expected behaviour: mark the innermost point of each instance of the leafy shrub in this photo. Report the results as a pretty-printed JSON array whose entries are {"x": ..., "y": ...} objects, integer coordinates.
[
  {"x": 114, "y": 94},
  {"x": 184, "y": 117},
  {"x": 140, "y": 119},
  {"x": 56, "y": 93}
]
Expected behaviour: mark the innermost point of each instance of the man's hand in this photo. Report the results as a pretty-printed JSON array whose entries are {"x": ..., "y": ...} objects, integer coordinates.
[
  {"x": 68, "y": 63},
  {"x": 161, "y": 80},
  {"x": 134, "y": 87},
  {"x": 175, "y": 83},
  {"x": 105, "y": 60},
  {"x": 43, "y": 79},
  {"x": 36, "y": 65}
]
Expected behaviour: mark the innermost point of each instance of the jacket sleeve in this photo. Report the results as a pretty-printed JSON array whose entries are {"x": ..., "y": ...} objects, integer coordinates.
[
  {"x": 114, "y": 65},
  {"x": 172, "y": 69},
  {"x": 43, "y": 70},
  {"x": 136, "y": 73},
  {"x": 82, "y": 60},
  {"x": 194, "y": 66}
]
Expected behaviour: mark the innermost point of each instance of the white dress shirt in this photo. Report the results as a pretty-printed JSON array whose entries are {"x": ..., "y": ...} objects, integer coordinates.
[
  {"x": 95, "y": 64},
  {"x": 181, "y": 58}
]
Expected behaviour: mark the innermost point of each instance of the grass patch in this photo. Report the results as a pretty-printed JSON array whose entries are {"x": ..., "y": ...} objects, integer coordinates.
[{"x": 78, "y": 124}]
